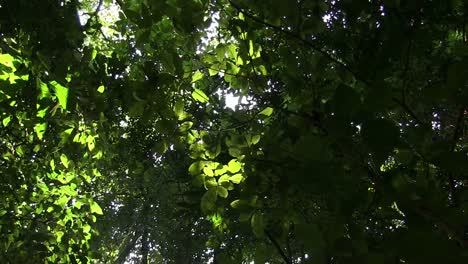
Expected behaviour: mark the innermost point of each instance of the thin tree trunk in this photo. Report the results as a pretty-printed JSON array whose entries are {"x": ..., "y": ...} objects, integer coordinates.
[{"x": 144, "y": 246}]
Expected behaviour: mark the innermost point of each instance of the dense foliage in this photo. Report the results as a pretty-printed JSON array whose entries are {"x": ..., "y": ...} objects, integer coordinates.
[{"x": 119, "y": 143}]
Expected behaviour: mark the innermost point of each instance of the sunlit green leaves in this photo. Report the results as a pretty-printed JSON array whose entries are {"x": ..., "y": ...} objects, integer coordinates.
[
  {"x": 44, "y": 90},
  {"x": 61, "y": 92},
  {"x": 6, "y": 121},
  {"x": 7, "y": 60},
  {"x": 234, "y": 166},
  {"x": 179, "y": 108},
  {"x": 64, "y": 160},
  {"x": 266, "y": 112},
  {"x": 254, "y": 51},
  {"x": 236, "y": 178},
  {"x": 40, "y": 129},
  {"x": 199, "y": 96},
  {"x": 95, "y": 208},
  {"x": 197, "y": 76},
  {"x": 208, "y": 172},
  {"x": 101, "y": 89}
]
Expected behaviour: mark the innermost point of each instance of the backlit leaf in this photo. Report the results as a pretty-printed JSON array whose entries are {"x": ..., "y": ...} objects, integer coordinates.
[
  {"x": 95, "y": 208},
  {"x": 61, "y": 92},
  {"x": 197, "y": 76},
  {"x": 64, "y": 160},
  {"x": 199, "y": 96},
  {"x": 237, "y": 178},
  {"x": 266, "y": 112},
  {"x": 234, "y": 166}
]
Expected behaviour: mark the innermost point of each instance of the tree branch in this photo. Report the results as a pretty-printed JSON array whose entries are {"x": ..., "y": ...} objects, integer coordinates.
[
  {"x": 311, "y": 45},
  {"x": 408, "y": 110},
  {"x": 7, "y": 49},
  {"x": 458, "y": 127},
  {"x": 278, "y": 247},
  {"x": 456, "y": 135}
]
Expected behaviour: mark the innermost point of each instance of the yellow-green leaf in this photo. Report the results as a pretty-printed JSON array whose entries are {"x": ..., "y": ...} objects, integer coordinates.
[
  {"x": 95, "y": 208},
  {"x": 208, "y": 172},
  {"x": 101, "y": 89},
  {"x": 237, "y": 178},
  {"x": 199, "y": 96},
  {"x": 64, "y": 160},
  {"x": 6, "y": 121},
  {"x": 266, "y": 112},
  {"x": 197, "y": 76},
  {"x": 61, "y": 92},
  {"x": 40, "y": 129},
  {"x": 234, "y": 166}
]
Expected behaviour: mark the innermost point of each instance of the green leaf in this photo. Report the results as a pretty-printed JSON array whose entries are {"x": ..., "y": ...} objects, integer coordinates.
[
  {"x": 196, "y": 167},
  {"x": 52, "y": 164},
  {"x": 95, "y": 208},
  {"x": 101, "y": 89},
  {"x": 64, "y": 160},
  {"x": 199, "y": 96},
  {"x": 7, "y": 60},
  {"x": 208, "y": 200},
  {"x": 61, "y": 92},
  {"x": 210, "y": 182},
  {"x": 160, "y": 147},
  {"x": 40, "y": 129},
  {"x": 6, "y": 121},
  {"x": 255, "y": 139},
  {"x": 208, "y": 172},
  {"x": 237, "y": 178},
  {"x": 236, "y": 204},
  {"x": 234, "y": 166},
  {"x": 69, "y": 131},
  {"x": 197, "y": 76},
  {"x": 258, "y": 224},
  {"x": 90, "y": 142},
  {"x": 221, "y": 170},
  {"x": 222, "y": 192},
  {"x": 212, "y": 72},
  {"x": 185, "y": 126},
  {"x": 42, "y": 113},
  {"x": 179, "y": 107},
  {"x": 266, "y": 112},
  {"x": 223, "y": 179},
  {"x": 235, "y": 152}
]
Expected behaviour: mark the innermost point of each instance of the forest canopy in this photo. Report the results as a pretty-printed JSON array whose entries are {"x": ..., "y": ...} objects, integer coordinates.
[{"x": 234, "y": 131}]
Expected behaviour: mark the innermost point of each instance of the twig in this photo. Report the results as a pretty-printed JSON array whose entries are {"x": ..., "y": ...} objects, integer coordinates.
[
  {"x": 455, "y": 232},
  {"x": 303, "y": 41},
  {"x": 408, "y": 110},
  {"x": 456, "y": 135},
  {"x": 7, "y": 49},
  {"x": 278, "y": 247},
  {"x": 93, "y": 15},
  {"x": 458, "y": 127}
]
